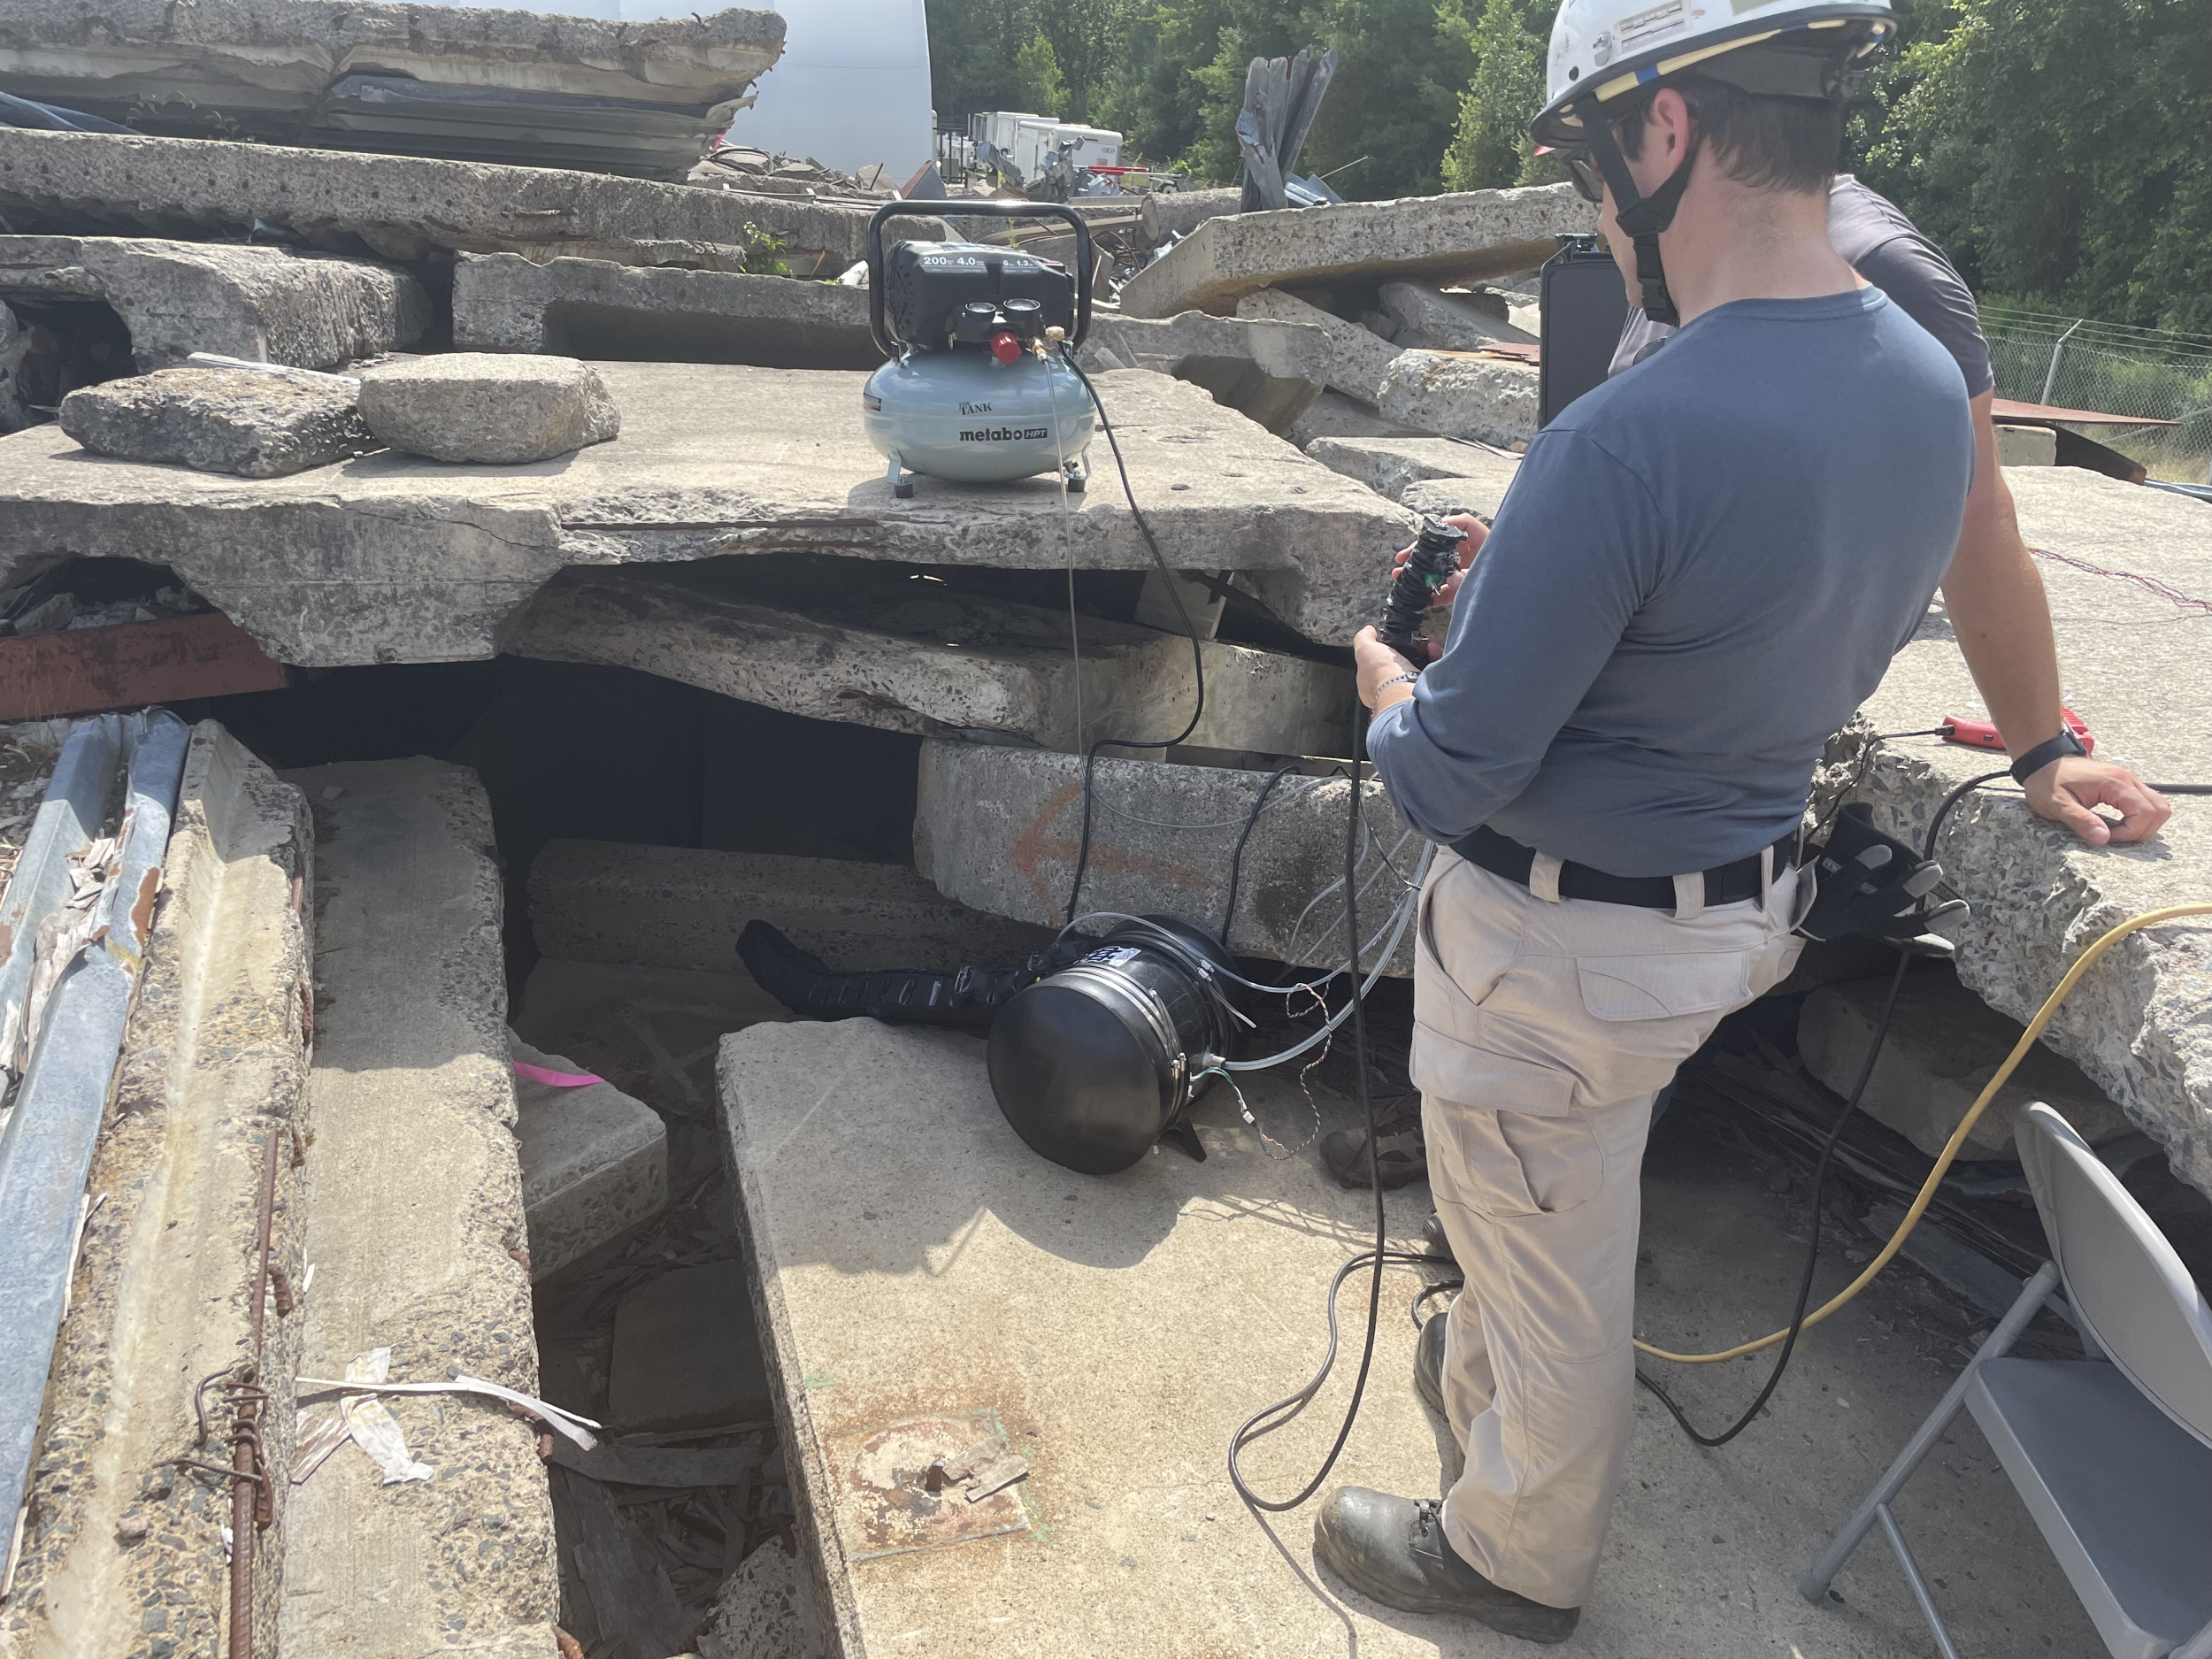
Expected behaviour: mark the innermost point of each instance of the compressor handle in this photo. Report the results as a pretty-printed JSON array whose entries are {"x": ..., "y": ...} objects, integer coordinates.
[{"x": 976, "y": 210}]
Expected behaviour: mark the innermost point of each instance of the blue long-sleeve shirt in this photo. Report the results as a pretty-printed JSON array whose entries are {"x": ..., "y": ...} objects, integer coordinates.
[{"x": 1702, "y": 569}]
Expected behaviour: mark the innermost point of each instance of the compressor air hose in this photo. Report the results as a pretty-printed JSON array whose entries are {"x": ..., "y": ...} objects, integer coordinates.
[{"x": 2043, "y": 1017}]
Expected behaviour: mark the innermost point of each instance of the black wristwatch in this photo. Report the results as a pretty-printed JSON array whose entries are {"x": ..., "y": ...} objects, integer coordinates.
[{"x": 2043, "y": 754}]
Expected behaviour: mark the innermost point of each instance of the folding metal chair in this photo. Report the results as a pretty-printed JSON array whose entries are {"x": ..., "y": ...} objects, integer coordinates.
[{"x": 2112, "y": 1454}]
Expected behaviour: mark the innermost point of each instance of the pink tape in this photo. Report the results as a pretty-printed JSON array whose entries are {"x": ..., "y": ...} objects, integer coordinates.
[{"x": 556, "y": 1080}]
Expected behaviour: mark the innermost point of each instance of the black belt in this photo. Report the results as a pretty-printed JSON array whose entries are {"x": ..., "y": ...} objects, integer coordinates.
[{"x": 1724, "y": 884}]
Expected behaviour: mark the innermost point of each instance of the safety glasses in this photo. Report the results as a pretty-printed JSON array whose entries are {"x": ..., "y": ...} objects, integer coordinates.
[{"x": 1588, "y": 183}]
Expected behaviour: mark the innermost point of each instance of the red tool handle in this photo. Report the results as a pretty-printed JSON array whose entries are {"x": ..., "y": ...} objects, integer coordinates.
[{"x": 1983, "y": 733}]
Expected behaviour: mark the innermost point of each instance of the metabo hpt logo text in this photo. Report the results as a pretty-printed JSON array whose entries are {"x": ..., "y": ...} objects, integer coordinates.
[{"x": 1004, "y": 434}]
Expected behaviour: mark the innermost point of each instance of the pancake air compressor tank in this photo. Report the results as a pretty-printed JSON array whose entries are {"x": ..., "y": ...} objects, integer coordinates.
[{"x": 976, "y": 392}]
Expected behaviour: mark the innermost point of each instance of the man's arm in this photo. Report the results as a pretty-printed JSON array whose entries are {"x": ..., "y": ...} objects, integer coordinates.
[{"x": 1994, "y": 594}]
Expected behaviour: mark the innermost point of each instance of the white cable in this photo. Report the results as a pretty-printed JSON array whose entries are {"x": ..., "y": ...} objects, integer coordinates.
[
  {"x": 1373, "y": 875},
  {"x": 1406, "y": 906}
]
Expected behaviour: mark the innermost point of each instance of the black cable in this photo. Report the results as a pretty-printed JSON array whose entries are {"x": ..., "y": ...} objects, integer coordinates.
[
  {"x": 1812, "y": 1250},
  {"x": 1820, "y": 1169},
  {"x": 1270, "y": 1418},
  {"x": 1197, "y": 651},
  {"x": 1236, "y": 858}
]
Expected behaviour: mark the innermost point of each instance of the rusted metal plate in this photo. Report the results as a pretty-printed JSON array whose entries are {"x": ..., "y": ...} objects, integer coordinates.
[
  {"x": 85, "y": 671},
  {"x": 882, "y": 1478}
]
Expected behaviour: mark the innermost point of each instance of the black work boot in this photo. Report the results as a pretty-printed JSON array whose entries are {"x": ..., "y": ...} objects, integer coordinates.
[
  {"x": 1393, "y": 1550},
  {"x": 1428, "y": 1365},
  {"x": 1399, "y": 1152},
  {"x": 1435, "y": 1240}
]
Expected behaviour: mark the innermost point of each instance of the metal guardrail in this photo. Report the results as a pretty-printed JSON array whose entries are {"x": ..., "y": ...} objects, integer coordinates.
[{"x": 46, "y": 1150}]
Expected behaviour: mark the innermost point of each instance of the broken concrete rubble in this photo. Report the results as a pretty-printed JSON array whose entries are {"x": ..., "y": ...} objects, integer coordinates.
[
  {"x": 595, "y": 308},
  {"x": 391, "y": 559},
  {"x": 765, "y": 1611},
  {"x": 265, "y": 304},
  {"x": 682, "y": 909},
  {"x": 867, "y": 647},
  {"x": 503, "y": 84},
  {"x": 1333, "y": 415},
  {"x": 2026, "y": 446},
  {"x": 1269, "y": 371},
  {"x": 240, "y": 421},
  {"x": 1493, "y": 399},
  {"x": 595, "y": 1161},
  {"x": 1943, "y": 1046},
  {"x": 1447, "y": 322},
  {"x": 399, "y": 207},
  {"x": 1437, "y": 239},
  {"x": 488, "y": 408},
  {"x": 999, "y": 829},
  {"x": 1362, "y": 358},
  {"x": 168, "y": 1260},
  {"x": 1392, "y": 466},
  {"x": 2134, "y": 665},
  {"x": 1179, "y": 212}
]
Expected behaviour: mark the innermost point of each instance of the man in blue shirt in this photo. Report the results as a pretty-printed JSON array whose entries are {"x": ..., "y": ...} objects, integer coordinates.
[{"x": 1702, "y": 570}]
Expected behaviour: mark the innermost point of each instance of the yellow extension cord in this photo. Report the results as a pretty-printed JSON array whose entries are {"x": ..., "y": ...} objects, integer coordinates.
[{"x": 2082, "y": 965}]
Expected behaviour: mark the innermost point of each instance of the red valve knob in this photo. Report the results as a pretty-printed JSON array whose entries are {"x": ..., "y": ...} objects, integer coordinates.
[{"x": 1005, "y": 347}]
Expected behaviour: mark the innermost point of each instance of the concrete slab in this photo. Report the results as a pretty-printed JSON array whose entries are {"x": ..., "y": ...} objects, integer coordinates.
[
  {"x": 1492, "y": 399},
  {"x": 595, "y": 1161},
  {"x": 213, "y": 1063},
  {"x": 265, "y": 304},
  {"x": 686, "y": 1353},
  {"x": 560, "y": 995},
  {"x": 400, "y": 207},
  {"x": 1437, "y": 239},
  {"x": 1449, "y": 322},
  {"x": 1269, "y": 371},
  {"x": 1333, "y": 415},
  {"x": 241, "y": 421},
  {"x": 921, "y": 1271},
  {"x": 683, "y": 908},
  {"x": 271, "y": 66},
  {"x": 2026, "y": 446},
  {"x": 1362, "y": 358},
  {"x": 595, "y": 308},
  {"x": 1000, "y": 829},
  {"x": 1389, "y": 466},
  {"x": 415, "y": 1225},
  {"x": 2133, "y": 662},
  {"x": 1179, "y": 212},
  {"x": 874, "y": 649},
  {"x": 1943, "y": 1045},
  {"x": 389, "y": 559},
  {"x": 488, "y": 408}
]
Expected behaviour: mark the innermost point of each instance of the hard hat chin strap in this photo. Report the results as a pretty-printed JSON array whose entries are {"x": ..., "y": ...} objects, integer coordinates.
[{"x": 1643, "y": 216}]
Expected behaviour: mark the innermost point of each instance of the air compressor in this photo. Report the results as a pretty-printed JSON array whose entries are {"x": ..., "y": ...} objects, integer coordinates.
[{"x": 976, "y": 390}]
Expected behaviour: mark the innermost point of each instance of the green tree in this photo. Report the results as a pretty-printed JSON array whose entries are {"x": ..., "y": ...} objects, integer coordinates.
[
  {"x": 1490, "y": 147},
  {"x": 1037, "y": 81},
  {"x": 2055, "y": 148}
]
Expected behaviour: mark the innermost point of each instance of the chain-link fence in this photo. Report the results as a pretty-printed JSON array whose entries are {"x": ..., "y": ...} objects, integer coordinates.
[{"x": 2148, "y": 373}]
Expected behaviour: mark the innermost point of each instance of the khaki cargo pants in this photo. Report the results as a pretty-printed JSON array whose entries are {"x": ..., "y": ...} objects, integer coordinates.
[{"x": 1543, "y": 1028}]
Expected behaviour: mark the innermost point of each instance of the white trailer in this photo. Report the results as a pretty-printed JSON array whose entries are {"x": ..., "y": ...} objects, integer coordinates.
[{"x": 1027, "y": 142}]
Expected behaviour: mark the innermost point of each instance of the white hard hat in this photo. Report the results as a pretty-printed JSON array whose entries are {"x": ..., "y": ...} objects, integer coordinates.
[{"x": 1786, "y": 48}]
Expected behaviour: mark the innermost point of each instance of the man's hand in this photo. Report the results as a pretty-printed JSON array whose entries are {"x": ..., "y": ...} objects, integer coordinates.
[
  {"x": 2065, "y": 790},
  {"x": 1476, "y": 531},
  {"x": 1377, "y": 664}
]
